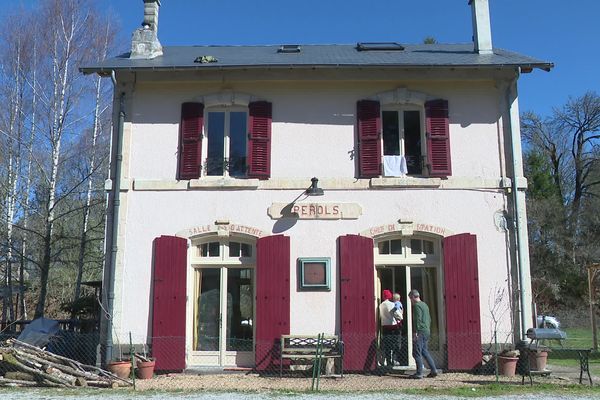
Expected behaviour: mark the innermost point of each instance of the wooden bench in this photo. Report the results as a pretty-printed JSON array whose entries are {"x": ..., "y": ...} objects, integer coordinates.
[{"x": 304, "y": 348}]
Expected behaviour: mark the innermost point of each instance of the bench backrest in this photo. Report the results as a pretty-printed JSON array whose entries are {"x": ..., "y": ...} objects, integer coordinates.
[{"x": 308, "y": 343}]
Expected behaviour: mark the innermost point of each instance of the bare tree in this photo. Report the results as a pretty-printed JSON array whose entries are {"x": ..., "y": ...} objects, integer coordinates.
[
  {"x": 98, "y": 110},
  {"x": 563, "y": 169}
]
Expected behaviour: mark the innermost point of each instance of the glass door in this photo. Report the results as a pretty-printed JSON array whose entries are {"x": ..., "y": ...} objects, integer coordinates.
[
  {"x": 223, "y": 317},
  {"x": 425, "y": 280},
  {"x": 394, "y": 278}
]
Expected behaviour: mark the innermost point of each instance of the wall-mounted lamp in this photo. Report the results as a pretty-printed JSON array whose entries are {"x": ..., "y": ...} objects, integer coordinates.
[{"x": 314, "y": 189}]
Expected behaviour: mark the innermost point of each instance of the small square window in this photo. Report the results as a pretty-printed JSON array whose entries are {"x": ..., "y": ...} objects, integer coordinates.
[
  {"x": 246, "y": 250},
  {"x": 314, "y": 274},
  {"x": 396, "y": 246},
  {"x": 428, "y": 247},
  {"x": 416, "y": 246},
  {"x": 237, "y": 249},
  {"x": 234, "y": 249},
  {"x": 211, "y": 249},
  {"x": 384, "y": 247}
]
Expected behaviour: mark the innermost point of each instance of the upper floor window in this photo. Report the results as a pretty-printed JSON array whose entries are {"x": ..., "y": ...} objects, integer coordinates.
[
  {"x": 402, "y": 152},
  {"x": 238, "y": 141},
  {"x": 403, "y": 139},
  {"x": 226, "y": 145}
]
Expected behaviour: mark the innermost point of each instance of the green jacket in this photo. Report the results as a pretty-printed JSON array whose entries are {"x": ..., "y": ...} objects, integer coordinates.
[{"x": 421, "y": 318}]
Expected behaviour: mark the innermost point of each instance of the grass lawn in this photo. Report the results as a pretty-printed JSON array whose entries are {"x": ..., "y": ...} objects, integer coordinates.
[{"x": 577, "y": 338}]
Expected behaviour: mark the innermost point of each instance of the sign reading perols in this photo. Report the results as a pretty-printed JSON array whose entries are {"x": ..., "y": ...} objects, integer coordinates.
[{"x": 315, "y": 210}]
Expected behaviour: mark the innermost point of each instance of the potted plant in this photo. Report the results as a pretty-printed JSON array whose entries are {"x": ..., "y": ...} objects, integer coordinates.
[
  {"x": 120, "y": 367},
  {"x": 507, "y": 362},
  {"x": 538, "y": 358},
  {"x": 144, "y": 365}
]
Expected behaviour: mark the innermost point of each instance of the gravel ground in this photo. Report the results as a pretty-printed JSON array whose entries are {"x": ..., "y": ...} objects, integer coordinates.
[
  {"x": 349, "y": 383},
  {"x": 254, "y": 387},
  {"x": 46, "y": 395}
]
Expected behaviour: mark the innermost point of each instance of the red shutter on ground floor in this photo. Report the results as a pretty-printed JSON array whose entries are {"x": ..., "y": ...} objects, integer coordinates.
[
  {"x": 369, "y": 138},
  {"x": 259, "y": 139},
  {"x": 169, "y": 302},
  {"x": 190, "y": 140},
  {"x": 438, "y": 138},
  {"x": 272, "y": 299},
  {"x": 357, "y": 302},
  {"x": 461, "y": 295}
]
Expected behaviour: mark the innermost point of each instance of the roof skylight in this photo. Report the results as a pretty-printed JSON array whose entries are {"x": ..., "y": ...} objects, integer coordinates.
[
  {"x": 373, "y": 46},
  {"x": 289, "y": 48}
]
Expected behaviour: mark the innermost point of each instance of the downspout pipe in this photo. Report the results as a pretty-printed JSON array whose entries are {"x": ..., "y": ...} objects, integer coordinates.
[
  {"x": 115, "y": 223},
  {"x": 519, "y": 209}
]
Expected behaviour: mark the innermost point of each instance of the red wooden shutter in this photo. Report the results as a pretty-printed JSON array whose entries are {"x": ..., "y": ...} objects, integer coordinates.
[
  {"x": 168, "y": 303},
  {"x": 190, "y": 140},
  {"x": 259, "y": 140},
  {"x": 272, "y": 299},
  {"x": 369, "y": 138},
  {"x": 357, "y": 302},
  {"x": 438, "y": 138},
  {"x": 461, "y": 284}
]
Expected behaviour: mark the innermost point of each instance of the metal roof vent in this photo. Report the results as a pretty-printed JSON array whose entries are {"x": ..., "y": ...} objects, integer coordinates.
[
  {"x": 374, "y": 46},
  {"x": 289, "y": 48}
]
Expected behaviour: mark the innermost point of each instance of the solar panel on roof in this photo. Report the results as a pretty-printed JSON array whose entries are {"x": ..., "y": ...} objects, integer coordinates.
[{"x": 367, "y": 46}]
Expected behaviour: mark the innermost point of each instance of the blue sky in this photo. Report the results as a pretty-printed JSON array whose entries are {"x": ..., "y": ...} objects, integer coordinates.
[{"x": 564, "y": 32}]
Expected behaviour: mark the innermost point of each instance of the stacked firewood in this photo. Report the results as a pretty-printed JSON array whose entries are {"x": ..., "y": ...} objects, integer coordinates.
[{"x": 27, "y": 365}]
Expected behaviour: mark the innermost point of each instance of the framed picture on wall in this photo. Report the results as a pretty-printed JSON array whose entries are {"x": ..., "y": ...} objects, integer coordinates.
[{"x": 314, "y": 273}]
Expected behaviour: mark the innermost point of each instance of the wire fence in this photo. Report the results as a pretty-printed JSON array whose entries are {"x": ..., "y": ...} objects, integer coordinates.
[{"x": 368, "y": 362}]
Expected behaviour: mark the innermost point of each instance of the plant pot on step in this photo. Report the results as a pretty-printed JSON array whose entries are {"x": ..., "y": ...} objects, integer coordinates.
[
  {"x": 145, "y": 369},
  {"x": 507, "y": 366},
  {"x": 122, "y": 369},
  {"x": 538, "y": 360}
]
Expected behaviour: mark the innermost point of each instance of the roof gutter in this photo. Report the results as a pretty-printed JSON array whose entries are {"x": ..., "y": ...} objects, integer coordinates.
[{"x": 105, "y": 70}]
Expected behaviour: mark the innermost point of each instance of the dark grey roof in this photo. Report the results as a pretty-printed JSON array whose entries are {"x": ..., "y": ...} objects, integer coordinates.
[{"x": 235, "y": 57}]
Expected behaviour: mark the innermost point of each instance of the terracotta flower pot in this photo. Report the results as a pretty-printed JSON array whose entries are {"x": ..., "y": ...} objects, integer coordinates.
[
  {"x": 122, "y": 369},
  {"x": 145, "y": 369},
  {"x": 507, "y": 366},
  {"x": 538, "y": 360}
]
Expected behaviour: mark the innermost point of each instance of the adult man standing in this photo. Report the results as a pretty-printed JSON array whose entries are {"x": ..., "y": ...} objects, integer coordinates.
[{"x": 422, "y": 331}]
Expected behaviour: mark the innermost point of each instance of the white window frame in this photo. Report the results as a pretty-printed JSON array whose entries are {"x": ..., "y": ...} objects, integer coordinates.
[
  {"x": 224, "y": 262},
  {"x": 399, "y": 109},
  {"x": 226, "y": 132},
  {"x": 410, "y": 261}
]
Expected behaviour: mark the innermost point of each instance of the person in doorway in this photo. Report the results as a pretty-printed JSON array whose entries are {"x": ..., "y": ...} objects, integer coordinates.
[
  {"x": 389, "y": 328},
  {"x": 422, "y": 331},
  {"x": 398, "y": 313}
]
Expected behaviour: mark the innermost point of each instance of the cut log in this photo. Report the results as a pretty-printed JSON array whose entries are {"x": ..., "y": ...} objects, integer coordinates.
[
  {"x": 17, "y": 382},
  {"x": 11, "y": 359},
  {"x": 21, "y": 376},
  {"x": 65, "y": 364},
  {"x": 103, "y": 384},
  {"x": 81, "y": 382}
]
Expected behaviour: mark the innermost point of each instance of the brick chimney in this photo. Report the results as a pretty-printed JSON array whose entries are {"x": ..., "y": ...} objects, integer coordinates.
[
  {"x": 144, "y": 41},
  {"x": 482, "y": 31}
]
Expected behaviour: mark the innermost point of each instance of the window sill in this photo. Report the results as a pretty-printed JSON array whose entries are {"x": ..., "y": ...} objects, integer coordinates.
[
  {"x": 407, "y": 181},
  {"x": 215, "y": 182}
]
